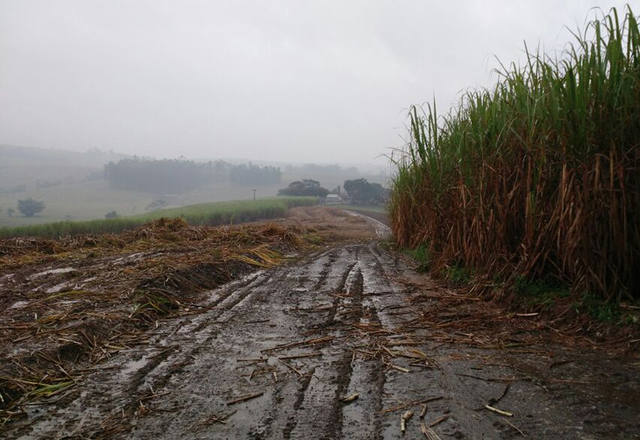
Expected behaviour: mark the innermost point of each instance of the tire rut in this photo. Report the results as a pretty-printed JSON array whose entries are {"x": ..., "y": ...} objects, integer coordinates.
[
  {"x": 272, "y": 355},
  {"x": 319, "y": 410}
]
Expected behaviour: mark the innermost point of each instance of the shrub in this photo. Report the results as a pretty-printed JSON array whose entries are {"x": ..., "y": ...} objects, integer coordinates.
[
  {"x": 361, "y": 192},
  {"x": 306, "y": 187}
]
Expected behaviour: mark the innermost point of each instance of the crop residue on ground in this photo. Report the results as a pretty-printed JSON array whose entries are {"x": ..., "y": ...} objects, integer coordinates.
[{"x": 81, "y": 299}]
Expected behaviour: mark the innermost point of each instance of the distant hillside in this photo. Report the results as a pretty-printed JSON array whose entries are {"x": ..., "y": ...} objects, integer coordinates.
[
  {"x": 72, "y": 184},
  {"x": 36, "y": 167},
  {"x": 18, "y": 155}
]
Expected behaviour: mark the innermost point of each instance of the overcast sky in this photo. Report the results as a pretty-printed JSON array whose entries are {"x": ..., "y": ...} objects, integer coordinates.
[{"x": 326, "y": 81}]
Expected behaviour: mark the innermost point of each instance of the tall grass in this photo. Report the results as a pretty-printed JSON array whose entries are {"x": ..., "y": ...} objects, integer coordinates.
[
  {"x": 216, "y": 213},
  {"x": 537, "y": 178}
]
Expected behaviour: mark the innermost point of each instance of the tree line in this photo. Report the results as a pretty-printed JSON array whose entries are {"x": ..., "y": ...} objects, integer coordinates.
[
  {"x": 255, "y": 175},
  {"x": 178, "y": 176}
]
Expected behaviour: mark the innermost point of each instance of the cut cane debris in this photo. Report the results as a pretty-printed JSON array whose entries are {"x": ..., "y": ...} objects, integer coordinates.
[
  {"x": 128, "y": 283},
  {"x": 313, "y": 341},
  {"x": 415, "y": 353},
  {"x": 301, "y": 356},
  {"x": 216, "y": 418},
  {"x": 410, "y": 404},
  {"x": 350, "y": 398},
  {"x": 402, "y": 369},
  {"x": 429, "y": 433},
  {"x": 437, "y": 421},
  {"x": 499, "y": 411},
  {"x": 389, "y": 352},
  {"x": 245, "y": 398},
  {"x": 292, "y": 368},
  {"x": 403, "y": 420},
  {"x": 514, "y": 427}
]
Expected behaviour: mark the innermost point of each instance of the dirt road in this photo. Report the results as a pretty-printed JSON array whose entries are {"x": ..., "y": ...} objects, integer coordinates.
[{"x": 342, "y": 345}]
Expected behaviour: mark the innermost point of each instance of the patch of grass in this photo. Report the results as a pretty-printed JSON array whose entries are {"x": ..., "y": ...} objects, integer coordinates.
[
  {"x": 539, "y": 292},
  {"x": 598, "y": 309},
  {"x": 630, "y": 318},
  {"x": 216, "y": 213},
  {"x": 162, "y": 304},
  {"x": 458, "y": 274},
  {"x": 546, "y": 293},
  {"x": 421, "y": 255},
  {"x": 313, "y": 238},
  {"x": 48, "y": 390}
]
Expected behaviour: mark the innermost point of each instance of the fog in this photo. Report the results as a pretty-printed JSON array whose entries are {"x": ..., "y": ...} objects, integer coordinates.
[{"x": 301, "y": 81}]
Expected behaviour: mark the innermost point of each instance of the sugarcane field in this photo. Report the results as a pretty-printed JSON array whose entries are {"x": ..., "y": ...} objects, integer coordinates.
[{"x": 319, "y": 220}]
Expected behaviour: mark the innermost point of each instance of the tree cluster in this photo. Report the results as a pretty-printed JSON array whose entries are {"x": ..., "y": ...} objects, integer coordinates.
[
  {"x": 157, "y": 176},
  {"x": 361, "y": 192},
  {"x": 30, "y": 207},
  {"x": 306, "y": 187}
]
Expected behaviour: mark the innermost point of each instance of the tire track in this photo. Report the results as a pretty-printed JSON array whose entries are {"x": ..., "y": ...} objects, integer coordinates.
[
  {"x": 319, "y": 408},
  {"x": 298, "y": 339},
  {"x": 359, "y": 421}
]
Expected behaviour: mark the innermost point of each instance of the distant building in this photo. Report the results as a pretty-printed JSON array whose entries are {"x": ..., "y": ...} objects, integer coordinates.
[{"x": 333, "y": 199}]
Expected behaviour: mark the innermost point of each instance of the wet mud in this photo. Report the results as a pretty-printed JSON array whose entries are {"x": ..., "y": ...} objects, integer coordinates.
[{"x": 340, "y": 345}]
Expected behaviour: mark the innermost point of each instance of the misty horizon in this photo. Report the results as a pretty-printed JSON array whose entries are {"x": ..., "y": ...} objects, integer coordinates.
[
  {"x": 280, "y": 82},
  {"x": 116, "y": 155}
]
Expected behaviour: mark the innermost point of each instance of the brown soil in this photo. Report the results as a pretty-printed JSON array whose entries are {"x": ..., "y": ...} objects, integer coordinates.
[{"x": 182, "y": 332}]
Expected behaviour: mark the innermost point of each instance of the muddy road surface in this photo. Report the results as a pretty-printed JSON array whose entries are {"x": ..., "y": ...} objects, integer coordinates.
[{"x": 349, "y": 343}]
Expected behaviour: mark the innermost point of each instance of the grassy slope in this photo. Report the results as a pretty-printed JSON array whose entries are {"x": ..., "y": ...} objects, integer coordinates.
[
  {"x": 201, "y": 214},
  {"x": 79, "y": 198},
  {"x": 92, "y": 200}
]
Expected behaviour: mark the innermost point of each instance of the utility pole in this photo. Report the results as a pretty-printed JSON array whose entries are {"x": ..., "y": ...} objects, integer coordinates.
[{"x": 254, "y": 194}]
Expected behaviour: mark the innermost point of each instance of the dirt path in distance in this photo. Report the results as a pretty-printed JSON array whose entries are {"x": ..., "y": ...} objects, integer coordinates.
[{"x": 342, "y": 345}]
